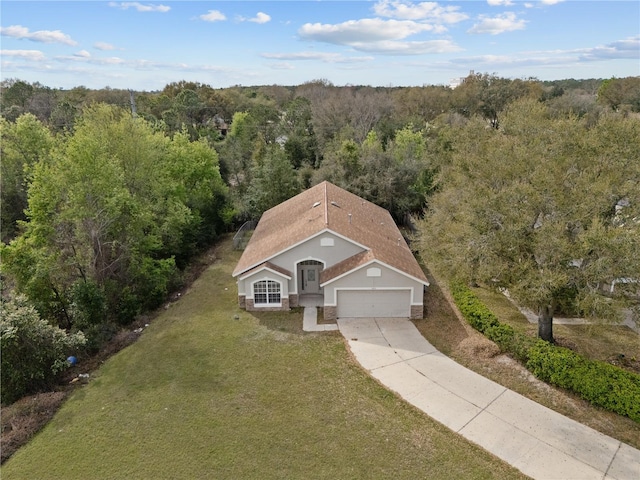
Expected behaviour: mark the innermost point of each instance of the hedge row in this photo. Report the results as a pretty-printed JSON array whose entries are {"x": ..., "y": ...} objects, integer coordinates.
[
  {"x": 600, "y": 383},
  {"x": 484, "y": 320}
]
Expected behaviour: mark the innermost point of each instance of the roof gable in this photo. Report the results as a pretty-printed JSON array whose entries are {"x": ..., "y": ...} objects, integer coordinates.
[
  {"x": 328, "y": 207},
  {"x": 270, "y": 267},
  {"x": 358, "y": 262}
]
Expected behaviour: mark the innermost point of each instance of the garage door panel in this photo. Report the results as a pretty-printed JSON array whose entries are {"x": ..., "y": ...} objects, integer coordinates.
[{"x": 374, "y": 303}]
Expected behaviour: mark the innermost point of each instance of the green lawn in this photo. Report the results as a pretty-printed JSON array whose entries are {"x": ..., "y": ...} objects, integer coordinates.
[{"x": 205, "y": 395}]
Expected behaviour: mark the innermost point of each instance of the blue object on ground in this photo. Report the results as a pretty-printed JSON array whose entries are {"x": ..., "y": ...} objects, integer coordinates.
[{"x": 72, "y": 360}]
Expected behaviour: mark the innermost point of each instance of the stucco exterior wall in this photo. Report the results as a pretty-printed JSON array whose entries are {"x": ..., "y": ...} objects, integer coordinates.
[
  {"x": 245, "y": 290},
  {"x": 313, "y": 249},
  {"x": 388, "y": 278}
]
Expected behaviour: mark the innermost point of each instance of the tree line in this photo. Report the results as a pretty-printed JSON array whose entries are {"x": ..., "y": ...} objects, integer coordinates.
[{"x": 522, "y": 185}]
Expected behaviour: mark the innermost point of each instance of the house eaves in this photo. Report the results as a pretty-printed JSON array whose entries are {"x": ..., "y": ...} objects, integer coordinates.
[
  {"x": 353, "y": 264},
  {"x": 292, "y": 246},
  {"x": 269, "y": 267}
]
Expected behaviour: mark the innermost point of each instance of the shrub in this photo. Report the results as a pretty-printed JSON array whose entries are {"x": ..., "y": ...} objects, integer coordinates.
[
  {"x": 600, "y": 383},
  {"x": 33, "y": 351},
  {"x": 473, "y": 310}
]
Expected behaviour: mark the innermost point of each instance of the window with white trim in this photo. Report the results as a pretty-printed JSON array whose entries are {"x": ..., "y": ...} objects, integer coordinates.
[{"x": 266, "y": 292}]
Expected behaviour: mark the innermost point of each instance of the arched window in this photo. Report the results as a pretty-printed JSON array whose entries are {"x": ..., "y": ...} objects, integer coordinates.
[{"x": 266, "y": 292}]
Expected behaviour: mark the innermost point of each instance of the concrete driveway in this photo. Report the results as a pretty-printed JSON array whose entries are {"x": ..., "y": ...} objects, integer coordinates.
[{"x": 538, "y": 441}]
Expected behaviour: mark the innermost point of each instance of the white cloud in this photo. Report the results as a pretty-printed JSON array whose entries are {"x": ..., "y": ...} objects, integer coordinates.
[
  {"x": 213, "y": 16},
  {"x": 43, "y": 36},
  {"x": 388, "y": 36},
  {"x": 391, "y": 47},
  {"x": 281, "y": 66},
  {"x": 430, "y": 11},
  {"x": 360, "y": 31},
  {"x": 318, "y": 56},
  {"x": 85, "y": 57},
  {"x": 260, "y": 17},
  {"x": 552, "y": 2},
  {"x": 627, "y": 48},
  {"x": 504, "y": 61},
  {"x": 32, "y": 55},
  {"x": 103, "y": 46},
  {"x": 507, "y": 22},
  {"x": 497, "y": 3},
  {"x": 622, "y": 49},
  {"x": 140, "y": 7}
]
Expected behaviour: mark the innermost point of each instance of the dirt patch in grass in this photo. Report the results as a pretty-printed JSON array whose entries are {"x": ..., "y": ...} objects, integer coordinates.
[
  {"x": 446, "y": 330},
  {"x": 21, "y": 420}
]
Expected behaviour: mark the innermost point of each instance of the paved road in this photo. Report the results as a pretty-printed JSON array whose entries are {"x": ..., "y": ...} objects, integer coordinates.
[{"x": 538, "y": 441}]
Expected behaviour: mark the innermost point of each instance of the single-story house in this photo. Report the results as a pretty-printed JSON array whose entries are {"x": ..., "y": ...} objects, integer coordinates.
[{"x": 331, "y": 244}]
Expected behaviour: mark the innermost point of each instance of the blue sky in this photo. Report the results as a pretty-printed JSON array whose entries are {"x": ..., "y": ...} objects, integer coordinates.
[{"x": 145, "y": 45}]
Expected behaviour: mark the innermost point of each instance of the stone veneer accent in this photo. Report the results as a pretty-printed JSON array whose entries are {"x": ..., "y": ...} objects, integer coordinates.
[
  {"x": 242, "y": 301},
  {"x": 417, "y": 311},
  {"x": 252, "y": 308},
  {"x": 330, "y": 313},
  {"x": 293, "y": 300}
]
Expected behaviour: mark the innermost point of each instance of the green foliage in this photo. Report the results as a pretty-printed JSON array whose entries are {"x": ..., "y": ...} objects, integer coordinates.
[
  {"x": 110, "y": 217},
  {"x": 617, "y": 93},
  {"x": 152, "y": 279},
  {"x": 473, "y": 310},
  {"x": 274, "y": 181},
  {"x": 537, "y": 207},
  {"x": 488, "y": 95},
  {"x": 15, "y": 98},
  {"x": 399, "y": 176},
  {"x": 600, "y": 383},
  {"x": 89, "y": 304},
  {"x": 297, "y": 127},
  {"x": 485, "y": 321},
  {"x": 33, "y": 352},
  {"x": 24, "y": 143}
]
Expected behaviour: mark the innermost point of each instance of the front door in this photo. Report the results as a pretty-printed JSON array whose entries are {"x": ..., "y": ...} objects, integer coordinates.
[
  {"x": 309, "y": 277},
  {"x": 311, "y": 281}
]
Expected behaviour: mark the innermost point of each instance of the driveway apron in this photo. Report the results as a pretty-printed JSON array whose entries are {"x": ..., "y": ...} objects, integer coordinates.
[{"x": 536, "y": 440}]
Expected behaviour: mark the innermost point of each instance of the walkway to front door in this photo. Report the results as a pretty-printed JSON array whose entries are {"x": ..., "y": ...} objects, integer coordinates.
[{"x": 310, "y": 315}]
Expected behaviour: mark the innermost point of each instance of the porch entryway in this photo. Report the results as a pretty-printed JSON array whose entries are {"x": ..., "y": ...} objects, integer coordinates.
[{"x": 309, "y": 277}]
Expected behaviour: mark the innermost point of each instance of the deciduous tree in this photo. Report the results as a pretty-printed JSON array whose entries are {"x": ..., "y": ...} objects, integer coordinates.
[
  {"x": 537, "y": 208},
  {"x": 24, "y": 143}
]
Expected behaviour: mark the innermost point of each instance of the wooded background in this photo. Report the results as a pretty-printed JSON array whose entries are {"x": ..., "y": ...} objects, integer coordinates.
[{"x": 523, "y": 185}]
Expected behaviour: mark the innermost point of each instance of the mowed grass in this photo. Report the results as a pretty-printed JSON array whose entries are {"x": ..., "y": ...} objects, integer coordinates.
[{"x": 203, "y": 394}]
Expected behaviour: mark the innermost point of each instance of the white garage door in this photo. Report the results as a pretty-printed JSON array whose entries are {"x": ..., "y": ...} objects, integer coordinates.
[{"x": 374, "y": 303}]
